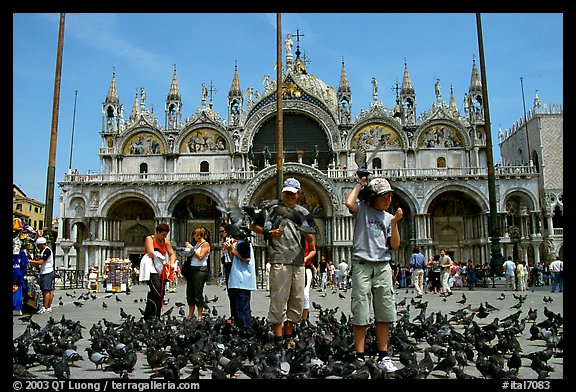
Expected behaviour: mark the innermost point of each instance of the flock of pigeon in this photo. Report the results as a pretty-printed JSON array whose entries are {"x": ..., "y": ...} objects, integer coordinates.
[{"x": 458, "y": 343}]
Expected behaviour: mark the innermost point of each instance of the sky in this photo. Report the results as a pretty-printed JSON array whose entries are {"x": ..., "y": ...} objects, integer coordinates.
[{"x": 142, "y": 49}]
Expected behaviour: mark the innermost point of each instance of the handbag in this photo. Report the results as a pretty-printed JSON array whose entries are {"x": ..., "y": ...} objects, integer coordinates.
[{"x": 186, "y": 269}]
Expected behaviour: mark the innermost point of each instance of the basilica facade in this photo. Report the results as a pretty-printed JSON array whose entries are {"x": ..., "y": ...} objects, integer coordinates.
[{"x": 179, "y": 169}]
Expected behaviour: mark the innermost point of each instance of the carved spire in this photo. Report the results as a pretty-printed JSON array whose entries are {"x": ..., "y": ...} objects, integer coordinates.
[
  {"x": 407, "y": 87},
  {"x": 453, "y": 105},
  {"x": 112, "y": 96},
  {"x": 174, "y": 93},
  {"x": 475, "y": 81},
  {"x": 135, "y": 108},
  {"x": 235, "y": 100},
  {"x": 344, "y": 96},
  {"x": 235, "y": 88},
  {"x": 173, "y": 109},
  {"x": 344, "y": 86},
  {"x": 407, "y": 98}
]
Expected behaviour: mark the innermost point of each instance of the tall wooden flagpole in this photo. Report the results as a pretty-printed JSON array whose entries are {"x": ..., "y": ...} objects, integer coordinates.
[
  {"x": 53, "y": 136},
  {"x": 494, "y": 231},
  {"x": 279, "y": 114}
]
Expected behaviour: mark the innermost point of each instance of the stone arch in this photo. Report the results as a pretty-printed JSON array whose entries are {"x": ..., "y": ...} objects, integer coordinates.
[
  {"x": 143, "y": 141},
  {"x": 77, "y": 203},
  {"x": 309, "y": 178},
  {"x": 192, "y": 207},
  {"x": 473, "y": 194},
  {"x": 121, "y": 195},
  {"x": 520, "y": 193},
  {"x": 181, "y": 197},
  {"x": 375, "y": 132},
  {"x": 443, "y": 133},
  {"x": 295, "y": 107},
  {"x": 204, "y": 138}
]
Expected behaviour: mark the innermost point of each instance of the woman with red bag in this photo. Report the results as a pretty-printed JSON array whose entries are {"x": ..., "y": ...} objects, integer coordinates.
[{"x": 155, "y": 268}]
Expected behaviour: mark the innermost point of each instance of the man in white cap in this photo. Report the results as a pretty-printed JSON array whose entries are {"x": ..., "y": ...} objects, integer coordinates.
[
  {"x": 375, "y": 235},
  {"x": 286, "y": 252},
  {"x": 46, "y": 274}
]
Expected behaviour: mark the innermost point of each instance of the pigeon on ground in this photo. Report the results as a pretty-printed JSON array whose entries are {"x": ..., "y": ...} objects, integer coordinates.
[{"x": 97, "y": 358}]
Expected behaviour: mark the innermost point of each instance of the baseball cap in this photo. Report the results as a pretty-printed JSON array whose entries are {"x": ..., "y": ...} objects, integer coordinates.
[
  {"x": 379, "y": 186},
  {"x": 291, "y": 185},
  {"x": 40, "y": 240}
]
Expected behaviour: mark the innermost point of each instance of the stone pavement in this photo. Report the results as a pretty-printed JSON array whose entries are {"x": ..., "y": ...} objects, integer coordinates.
[{"x": 93, "y": 311}]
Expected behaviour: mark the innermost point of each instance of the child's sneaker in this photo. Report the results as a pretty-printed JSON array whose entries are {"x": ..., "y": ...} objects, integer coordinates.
[
  {"x": 41, "y": 310},
  {"x": 387, "y": 365}
]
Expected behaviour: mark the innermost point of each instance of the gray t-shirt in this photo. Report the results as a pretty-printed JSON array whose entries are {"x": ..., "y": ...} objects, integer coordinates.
[
  {"x": 372, "y": 230},
  {"x": 288, "y": 249}
]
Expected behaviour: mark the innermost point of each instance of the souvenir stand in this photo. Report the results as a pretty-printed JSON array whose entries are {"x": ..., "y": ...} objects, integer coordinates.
[{"x": 117, "y": 274}]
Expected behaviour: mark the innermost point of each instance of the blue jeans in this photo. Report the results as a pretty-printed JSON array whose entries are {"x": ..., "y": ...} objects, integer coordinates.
[
  {"x": 242, "y": 313},
  {"x": 557, "y": 279}
]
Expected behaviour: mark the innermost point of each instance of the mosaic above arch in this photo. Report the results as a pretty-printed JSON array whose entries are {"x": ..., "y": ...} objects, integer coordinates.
[
  {"x": 371, "y": 135},
  {"x": 144, "y": 143},
  {"x": 204, "y": 140},
  {"x": 440, "y": 136}
]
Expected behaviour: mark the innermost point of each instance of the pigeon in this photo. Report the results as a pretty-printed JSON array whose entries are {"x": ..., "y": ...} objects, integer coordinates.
[
  {"x": 460, "y": 375},
  {"x": 463, "y": 300},
  {"x": 447, "y": 363},
  {"x": 168, "y": 312},
  {"x": 61, "y": 369},
  {"x": 515, "y": 360},
  {"x": 123, "y": 313},
  {"x": 236, "y": 216},
  {"x": 97, "y": 358},
  {"x": 361, "y": 159},
  {"x": 426, "y": 364},
  {"x": 104, "y": 305},
  {"x": 72, "y": 356},
  {"x": 260, "y": 214},
  {"x": 20, "y": 372},
  {"x": 118, "y": 298}
]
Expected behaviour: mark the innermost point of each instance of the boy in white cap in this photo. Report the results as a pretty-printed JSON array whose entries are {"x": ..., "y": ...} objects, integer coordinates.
[
  {"x": 375, "y": 235},
  {"x": 286, "y": 252},
  {"x": 46, "y": 275}
]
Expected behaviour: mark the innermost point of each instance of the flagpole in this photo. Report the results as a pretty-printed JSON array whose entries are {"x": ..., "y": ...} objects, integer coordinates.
[
  {"x": 279, "y": 115},
  {"x": 494, "y": 231},
  {"x": 73, "y": 122},
  {"x": 53, "y": 136}
]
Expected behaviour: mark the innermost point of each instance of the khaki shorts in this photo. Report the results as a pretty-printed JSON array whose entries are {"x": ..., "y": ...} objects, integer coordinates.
[
  {"x": 286, "y": 293},
  {"x": 372, "y": 286}
]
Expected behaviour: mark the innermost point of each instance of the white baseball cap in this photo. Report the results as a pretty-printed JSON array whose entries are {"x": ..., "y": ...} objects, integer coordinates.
[
  {"x": 40, "y": 240},
  {"x": 291, "y": 185},
  {"x": 380, "y": 186}
]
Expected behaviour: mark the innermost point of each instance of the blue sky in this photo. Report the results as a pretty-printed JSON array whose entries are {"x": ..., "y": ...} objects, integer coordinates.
[{"x": 143, "y": 48}]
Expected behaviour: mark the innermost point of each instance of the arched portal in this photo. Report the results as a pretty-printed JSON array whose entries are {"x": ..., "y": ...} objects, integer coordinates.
[{"x": 302, "y": 135}]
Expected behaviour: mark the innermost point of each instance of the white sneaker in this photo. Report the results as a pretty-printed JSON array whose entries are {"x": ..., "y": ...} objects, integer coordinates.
[
  {"x": 387, "y": 365},
  {"x": 17, "y": 313},
  {"x": 48, "y": 310},
  {"x": 41, "y": 310}
]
